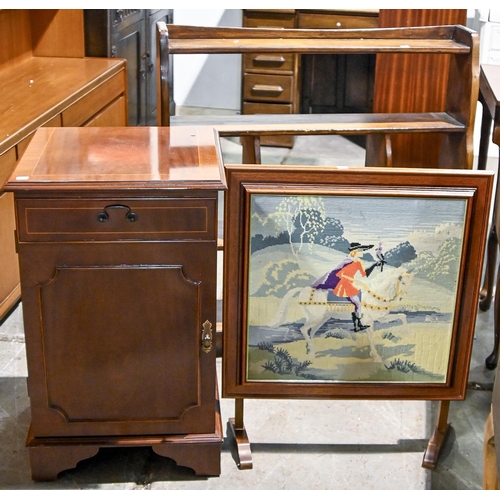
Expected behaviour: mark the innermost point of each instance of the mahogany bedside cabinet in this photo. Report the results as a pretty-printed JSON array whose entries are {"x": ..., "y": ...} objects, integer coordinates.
[{"x": 117, "y": 244}]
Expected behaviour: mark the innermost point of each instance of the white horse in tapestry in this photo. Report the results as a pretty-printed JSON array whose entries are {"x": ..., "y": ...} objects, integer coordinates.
[{"x": 381, "y": 294}]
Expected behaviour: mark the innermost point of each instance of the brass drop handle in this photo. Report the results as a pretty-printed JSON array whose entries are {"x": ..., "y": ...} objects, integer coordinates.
[
  {"x": 277, "y": 89},
  {"x": 206, "y": 336},
  {"x": 104, "y": 216}
]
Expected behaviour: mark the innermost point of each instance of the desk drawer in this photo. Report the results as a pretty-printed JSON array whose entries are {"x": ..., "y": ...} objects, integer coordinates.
[
  {"x": 337, "y": 21},
  {"x": 261, "y": 19},
  {"x": 263, "y": 108},
  {"x": 116, "y": 220},
  {"x": 268, "y": 63},
  {"x": 274, "y": 88}
]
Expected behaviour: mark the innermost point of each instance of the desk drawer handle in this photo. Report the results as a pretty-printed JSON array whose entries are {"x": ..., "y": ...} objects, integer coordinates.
[
  {"x": 278, "y": 89},
  {"x": 269, "y": 59},
  {"x": 104, "y": 216}
]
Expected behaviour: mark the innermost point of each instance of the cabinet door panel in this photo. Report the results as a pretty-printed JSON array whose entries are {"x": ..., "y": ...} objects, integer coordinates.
[
  {"x": 9, "y": 273},
  {"x": 122, "y": 328},
  {"x": 10, "y": 291},
  {"x": 113, "y": 362},
  {"x": 153, "y": 17},
  {"x": 130, "y": 44}
]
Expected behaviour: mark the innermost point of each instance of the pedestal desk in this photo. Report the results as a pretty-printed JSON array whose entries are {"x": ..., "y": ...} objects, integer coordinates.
[{"x": 117, "y": 244}]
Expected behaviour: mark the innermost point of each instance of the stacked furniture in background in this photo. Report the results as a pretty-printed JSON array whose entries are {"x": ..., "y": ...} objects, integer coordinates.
[
  {"x": 452, "y": 120},
  {"x": 129, "y": 34},
  {"x": 45, "y": 81},
  {"x": 284, "y": 83}
]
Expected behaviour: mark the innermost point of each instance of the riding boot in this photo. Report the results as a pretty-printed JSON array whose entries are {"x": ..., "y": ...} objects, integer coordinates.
[
  {"x": 355, "y": 321},
  {"x": 360, "y": 325}
]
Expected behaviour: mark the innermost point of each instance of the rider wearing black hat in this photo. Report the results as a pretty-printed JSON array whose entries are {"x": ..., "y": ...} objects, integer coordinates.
[{"x": 341, "y": 280}]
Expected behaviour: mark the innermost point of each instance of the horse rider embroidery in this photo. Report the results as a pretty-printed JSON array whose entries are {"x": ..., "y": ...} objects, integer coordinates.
[{"x": 341, "y": 280}]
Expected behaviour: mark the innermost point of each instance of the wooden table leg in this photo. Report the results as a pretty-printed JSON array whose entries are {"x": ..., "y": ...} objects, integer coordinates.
[
  {"x": 484, "y": 139},
  {"x": 237, "y": 428},
  {"x": 486, "y": 294},
  {"x": 431, "y": 454},
  {"x": 251, "y": 149},
  {"x": 492, "y": 360}
]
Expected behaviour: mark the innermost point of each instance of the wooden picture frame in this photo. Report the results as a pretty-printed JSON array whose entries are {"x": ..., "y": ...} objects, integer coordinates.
[{"x": 286, "y": 228}]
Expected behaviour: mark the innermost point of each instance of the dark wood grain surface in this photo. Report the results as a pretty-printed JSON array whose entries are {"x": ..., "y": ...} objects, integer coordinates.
[{"x": 415, "y": 83}]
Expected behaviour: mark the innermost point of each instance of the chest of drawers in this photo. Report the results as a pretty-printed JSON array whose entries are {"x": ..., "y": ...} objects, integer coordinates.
[
  {"x": 117, "y": 244},
  {"x": 270, "y": 81},
  {"x": 283, "y": 83}
]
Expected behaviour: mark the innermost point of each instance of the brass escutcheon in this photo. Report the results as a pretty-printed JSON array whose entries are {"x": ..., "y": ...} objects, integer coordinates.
[{"x": 206, "y": 336}]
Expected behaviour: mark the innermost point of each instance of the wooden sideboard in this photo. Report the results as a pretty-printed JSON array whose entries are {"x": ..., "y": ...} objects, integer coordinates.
[
  {"x": 415, "y": 83},
  {"x": 118, "y": 260},
  {"x": 45, "y": 80},
  {"x": 283, "y": 83}
]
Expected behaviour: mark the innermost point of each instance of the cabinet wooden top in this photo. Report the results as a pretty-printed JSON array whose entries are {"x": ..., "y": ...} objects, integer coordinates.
[
  {"x": 95, "y": 158},
  {"x": 38, "y": 88}
]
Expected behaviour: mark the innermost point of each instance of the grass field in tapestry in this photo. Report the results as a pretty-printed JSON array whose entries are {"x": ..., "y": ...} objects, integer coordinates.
[{"x": 398, "y": 328}]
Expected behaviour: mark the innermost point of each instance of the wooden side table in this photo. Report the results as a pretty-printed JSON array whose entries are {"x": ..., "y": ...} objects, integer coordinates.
[
  {"x": 489, "y": 97},
  {"x": 117, "y": 244}
]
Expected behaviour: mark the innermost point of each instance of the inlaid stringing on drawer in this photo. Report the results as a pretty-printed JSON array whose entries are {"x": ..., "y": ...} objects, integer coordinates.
[{"x": 115, "y": 219}]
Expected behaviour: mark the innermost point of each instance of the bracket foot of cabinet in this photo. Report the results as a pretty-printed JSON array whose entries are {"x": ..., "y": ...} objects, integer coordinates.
[{"x": 200, "y": 452}]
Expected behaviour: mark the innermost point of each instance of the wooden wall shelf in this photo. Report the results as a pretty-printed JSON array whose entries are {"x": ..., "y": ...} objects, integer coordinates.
[{"x": 459, "y": 44}]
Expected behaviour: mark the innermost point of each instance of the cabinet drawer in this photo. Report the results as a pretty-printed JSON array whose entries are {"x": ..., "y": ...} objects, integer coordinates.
[
  {"x": 89, "y": 105},
  {"x": 114, "y": 220},
  {"x": 338, "y": 21},
  {"x": 7, "y": 164},
  {"x": 268, "y": 20},
  {"x": 9, "y": 265},
  {"x": 56, "y": 121},
  {"x": 264, "y": 108},
  {"x": 268, "y": 63},
  {"x": 267, "y": 88},
  {"x": 114, "y": 115}
]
